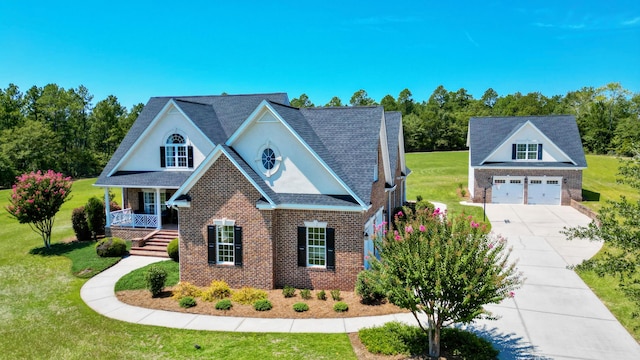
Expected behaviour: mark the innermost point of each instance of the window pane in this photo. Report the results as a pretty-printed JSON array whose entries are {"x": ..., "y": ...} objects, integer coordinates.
[
  {"x": 225, "y": 244},
  {"x": 316, "y": 246}
]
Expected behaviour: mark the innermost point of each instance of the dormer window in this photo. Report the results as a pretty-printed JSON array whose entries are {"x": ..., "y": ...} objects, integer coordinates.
[
  {"x": 526, "y": 151},
  {"x": 176, "y": 153}
]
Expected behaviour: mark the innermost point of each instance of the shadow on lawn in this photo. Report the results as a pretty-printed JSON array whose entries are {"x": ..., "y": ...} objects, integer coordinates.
[
  {"x": 58, "y": 249},
  {"x": 509, "y": 346},
  {"x": 588, "y": 195}
]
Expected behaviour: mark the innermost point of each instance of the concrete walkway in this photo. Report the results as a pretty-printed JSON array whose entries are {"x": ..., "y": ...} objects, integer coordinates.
[
  {"x": 554, "y": 315},
  {"x": 98, "y": 293}
]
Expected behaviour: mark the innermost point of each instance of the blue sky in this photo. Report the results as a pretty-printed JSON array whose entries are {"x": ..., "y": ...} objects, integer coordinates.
[{"x": 138, "y": 49}]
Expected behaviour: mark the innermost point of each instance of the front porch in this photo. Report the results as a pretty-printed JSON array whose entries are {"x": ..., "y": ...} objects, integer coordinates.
[{"x": 143, "y": 211}]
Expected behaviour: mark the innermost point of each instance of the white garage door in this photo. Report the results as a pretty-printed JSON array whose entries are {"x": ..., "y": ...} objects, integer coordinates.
[
  {"x": 544, "y": 190},
  {"x": 507, "y": 190}
]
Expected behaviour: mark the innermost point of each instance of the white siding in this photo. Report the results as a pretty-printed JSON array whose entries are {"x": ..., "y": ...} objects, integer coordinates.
[
  {"x": 528, "y": 134},
  {"x": 146, "y": 155},
  {"x": 299, "y": 171}
]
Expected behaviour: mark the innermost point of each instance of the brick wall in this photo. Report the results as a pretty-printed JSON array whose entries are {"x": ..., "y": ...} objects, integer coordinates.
[
  {"x": 223, "y": 192},
  {"x": 128, "y": 233},
  {"x": 349, "y": 249},
  {"x": 572, "y": 189}
]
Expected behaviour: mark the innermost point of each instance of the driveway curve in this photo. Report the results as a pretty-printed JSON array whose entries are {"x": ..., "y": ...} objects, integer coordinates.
[{"x": 554, "y": 315}]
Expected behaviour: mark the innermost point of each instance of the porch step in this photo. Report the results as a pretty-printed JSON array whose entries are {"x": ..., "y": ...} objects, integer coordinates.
[
  {"x": 142, "y": 252},
  {"x": 155, "y": 244}
]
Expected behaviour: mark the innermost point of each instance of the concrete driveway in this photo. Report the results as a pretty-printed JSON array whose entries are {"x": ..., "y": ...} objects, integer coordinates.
[{"x": 554, "y": 315}]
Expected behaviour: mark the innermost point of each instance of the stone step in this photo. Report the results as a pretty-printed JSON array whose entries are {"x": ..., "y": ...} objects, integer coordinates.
[
  {"x": 143, "y": 252},
  {"x": 151, "y": 248},
  {"x": 157, "y": 242}
]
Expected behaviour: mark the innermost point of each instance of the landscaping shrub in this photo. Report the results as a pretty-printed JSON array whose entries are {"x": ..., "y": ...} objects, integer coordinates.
[
  {"x": 79, "y": 224},
  {"x": 340, "y": 307},
  {"x": 187, "y": 302},
  {"x": 218, "y": 289},
  {"x": 395, "y": 338},
  {"x": 300, "y": 307},
  {"x": 262, "y": 305},
  {"x": 94, "y": 211},
  {"x": 155, "y": 279},
  {"x": 224, "y": 304},
  {"x": 305, "y": 294},
  {"x": 184, "y": 289},
  {"x": 111, "y": 247},
  {"x": 248, "y": 295},
  {"x": 335, "y": 295},
  {"x": 321, "y": 295},
  {"x": 288, "y": 291},
  {"x": 173, "y": 249},
  {"x": 467, "y": 344},
  {"x": 369, "y": 288},
  {"x": 425, "y": 205}
]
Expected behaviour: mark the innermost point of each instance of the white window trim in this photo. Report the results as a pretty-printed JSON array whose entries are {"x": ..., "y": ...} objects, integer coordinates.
[
  {"x": 175, "y": 148},
  {"x": 316, "y": 225},
  {"x": 219, "y": 229},
  {"x": 527, "y": 151}
]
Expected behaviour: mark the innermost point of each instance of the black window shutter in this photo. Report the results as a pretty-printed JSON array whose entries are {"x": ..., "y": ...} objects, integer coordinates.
[
  {"x": 211, "y": 242},
  {"x": 190, "y": 156},
  {"x": 163, "y": 159},
  {"x": 302, "y": 246},
  {"x": 513, "y": 151},
  {"x": 141, "y": 202},
  {"x": 237, "y": 246},
  {"x": 331, "y": 254},
  {"x": 539, "y": 151}
]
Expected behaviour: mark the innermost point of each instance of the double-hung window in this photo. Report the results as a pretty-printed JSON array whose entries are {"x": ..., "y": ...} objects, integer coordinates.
[
  {"x": 224, "y": 240},
  {"x": 316, "y": 245},
  {"x": 175, "y": 153},
  {"x": 526, "y": 151}
]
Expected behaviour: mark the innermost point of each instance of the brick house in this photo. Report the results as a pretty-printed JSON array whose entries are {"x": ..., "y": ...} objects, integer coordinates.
[
  {"x": 263, "y": 194},
  {"x": 525, "y": 160}
]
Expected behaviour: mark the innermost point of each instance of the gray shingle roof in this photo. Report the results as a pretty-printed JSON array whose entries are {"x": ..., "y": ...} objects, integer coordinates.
[
  {"x": 345, "y": 138},
  {"x": 229, "y": 110},
  {"x": 393, "y": 120},
  {"x": 350, "y": 136},
  {"x": 487, "y": 133}
]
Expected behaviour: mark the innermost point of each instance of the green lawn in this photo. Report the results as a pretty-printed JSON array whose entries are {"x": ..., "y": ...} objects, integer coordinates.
[
  {"x": 43, "y": 317},
  {"x": 436, "y": 176},
  {"x": 599, "y": 182}
]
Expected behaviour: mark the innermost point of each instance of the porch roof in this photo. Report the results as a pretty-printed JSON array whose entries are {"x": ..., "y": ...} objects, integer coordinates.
[{"x": 164, "y": 179}]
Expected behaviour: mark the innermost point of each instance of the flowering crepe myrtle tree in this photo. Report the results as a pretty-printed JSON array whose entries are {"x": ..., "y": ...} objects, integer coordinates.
[
  {"x": 36, "y": 198},
  {"x": 447, "y": 269}
]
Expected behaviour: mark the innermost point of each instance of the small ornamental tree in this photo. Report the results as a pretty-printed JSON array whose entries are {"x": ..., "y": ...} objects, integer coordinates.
[
  {"x": 36, "y": 198},
  {"x": 446, "y": 268}
]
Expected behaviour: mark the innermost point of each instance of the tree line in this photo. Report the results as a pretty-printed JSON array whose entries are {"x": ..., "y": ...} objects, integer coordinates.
[
  {"x": 608, "y": 117},
  {"x": 60, "y": 129},
  {"x": 55, "y": 128}
]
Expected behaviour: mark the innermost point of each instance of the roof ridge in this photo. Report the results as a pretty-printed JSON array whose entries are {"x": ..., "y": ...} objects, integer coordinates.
[
  {"x": 218, "y": 96},
  {"x": 190, "y": 102},
  {"x": 281, "y": 104},
  {"x": 520, "y": 116}
]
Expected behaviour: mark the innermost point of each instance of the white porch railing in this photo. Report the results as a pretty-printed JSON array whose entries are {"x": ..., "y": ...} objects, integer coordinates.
[{"x": 127, "y": 218}]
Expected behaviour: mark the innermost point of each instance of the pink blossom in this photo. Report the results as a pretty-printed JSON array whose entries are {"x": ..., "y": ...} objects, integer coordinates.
[
  {"x": 490, "y": 246},
  {"x": 366, "y": 257},
  {"x": 408, "y": 229},
  {"x": 422, "y": 228},
  {"x": 474, "y": 224},
  {"x": 436, "y": 211},
  {"x": 396, "y": 235},
  {"x": 398, "y": 238},
  {"x": 511, "y": 294},
  {"x": 400, "y": 213}
]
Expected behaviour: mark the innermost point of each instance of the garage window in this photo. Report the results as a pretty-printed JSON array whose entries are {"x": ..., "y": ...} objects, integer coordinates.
[
  {"x": 535, "y": 182},
  {"x": 552, "y": 182},
  {"x": 526, "y": 151},
  {"x": 516, "y": 181}
]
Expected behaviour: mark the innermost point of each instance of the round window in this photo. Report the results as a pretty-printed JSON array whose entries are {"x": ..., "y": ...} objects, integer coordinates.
[{"x": 268, "y": 159}]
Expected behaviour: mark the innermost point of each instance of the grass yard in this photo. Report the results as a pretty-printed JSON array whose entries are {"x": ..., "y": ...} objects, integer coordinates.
[
  {"x": 599, "y": 182},
  {"x": 43, "y": 317},
  {"x": 436, "y": 176}
]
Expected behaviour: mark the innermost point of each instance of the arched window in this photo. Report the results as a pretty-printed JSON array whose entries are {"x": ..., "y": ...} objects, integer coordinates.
[{"x": 176, "y": 153}]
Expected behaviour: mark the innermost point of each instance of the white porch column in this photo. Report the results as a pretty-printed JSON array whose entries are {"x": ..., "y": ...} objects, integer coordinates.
[
  {"x": 107, "y": 207},
  {"x": 157, "y": 207}
]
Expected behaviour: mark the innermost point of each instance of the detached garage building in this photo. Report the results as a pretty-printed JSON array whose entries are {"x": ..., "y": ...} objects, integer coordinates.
[{"x": 525, "y": 160}]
